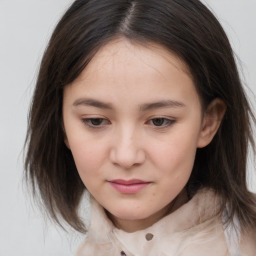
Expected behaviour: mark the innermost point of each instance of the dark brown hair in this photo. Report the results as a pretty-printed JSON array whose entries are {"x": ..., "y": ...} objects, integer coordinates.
[{"x": 184, "y": 27}]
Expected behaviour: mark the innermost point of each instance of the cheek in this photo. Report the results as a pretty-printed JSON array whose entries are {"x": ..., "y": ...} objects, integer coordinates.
[
  {"x": 175, "y": 164},
  {"x": 175, "y": 157},
  {"x": 89, "y": 160},
  {"x": 88, "y": 156}
]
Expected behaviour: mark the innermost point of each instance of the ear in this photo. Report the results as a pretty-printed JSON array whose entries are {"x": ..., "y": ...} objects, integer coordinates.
[
  {"x": 65, "y": 136},
  {"x": 211, "y": 122},
  {"x": 66, "y": 141}
]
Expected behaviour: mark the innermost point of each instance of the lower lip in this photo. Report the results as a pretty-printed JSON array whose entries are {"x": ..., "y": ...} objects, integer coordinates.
[{"x": 129, "y": 189}]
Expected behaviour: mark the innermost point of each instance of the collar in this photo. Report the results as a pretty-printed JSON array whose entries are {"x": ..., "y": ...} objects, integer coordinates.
[{"x": 203, "y": 206}]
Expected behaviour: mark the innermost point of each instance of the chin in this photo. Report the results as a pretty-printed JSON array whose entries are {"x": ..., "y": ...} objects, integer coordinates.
[{"x": 129, "y": 214}]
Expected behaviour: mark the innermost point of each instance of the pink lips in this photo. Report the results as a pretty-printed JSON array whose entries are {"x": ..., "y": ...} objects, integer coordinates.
[{"x": 128, "y": 186}]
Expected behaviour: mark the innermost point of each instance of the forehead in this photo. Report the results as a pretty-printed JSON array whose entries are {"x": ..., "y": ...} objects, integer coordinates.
[
  {"x": 123, "y": 69},
  {"x": 121, "y": 54}
]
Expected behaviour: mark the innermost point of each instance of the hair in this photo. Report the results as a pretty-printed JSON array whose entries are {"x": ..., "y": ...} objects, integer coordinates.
[{"x": 184, "y": 27}]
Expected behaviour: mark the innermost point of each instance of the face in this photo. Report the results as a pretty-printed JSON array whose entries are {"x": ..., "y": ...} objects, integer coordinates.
[{"x": 133, "y": 122}]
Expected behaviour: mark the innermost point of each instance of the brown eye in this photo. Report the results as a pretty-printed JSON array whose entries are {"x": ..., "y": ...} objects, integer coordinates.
[
  {"x": 95, "y": 122},
  {"x": 161, "y": 122},
  {"x": 158, "y": 121}
]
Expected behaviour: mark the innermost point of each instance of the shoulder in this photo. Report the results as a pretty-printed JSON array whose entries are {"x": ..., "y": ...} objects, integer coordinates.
[
  {"x": 248, "y": 243},
  {"x": 248, "y": 236},
  {"x": 89, "y": 248}
]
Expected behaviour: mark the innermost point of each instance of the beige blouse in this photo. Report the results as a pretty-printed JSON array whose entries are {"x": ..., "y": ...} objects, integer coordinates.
[{"x": 194, "y": 229}]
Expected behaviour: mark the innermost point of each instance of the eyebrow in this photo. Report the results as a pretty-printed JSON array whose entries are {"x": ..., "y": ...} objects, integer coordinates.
[
  {"x": 143, "y": 107},
  {"x": 92, "y": 103},
  {"x": 161, "y": 104}
]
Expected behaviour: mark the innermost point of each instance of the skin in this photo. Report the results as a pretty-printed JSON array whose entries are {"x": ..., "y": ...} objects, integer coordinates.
[{"x": 115, "y": 130}]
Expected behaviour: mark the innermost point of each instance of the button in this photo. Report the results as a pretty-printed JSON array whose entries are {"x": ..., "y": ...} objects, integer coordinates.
[
  {"x": 149, "y": 236},
  {"x": 122, "y": 253}
]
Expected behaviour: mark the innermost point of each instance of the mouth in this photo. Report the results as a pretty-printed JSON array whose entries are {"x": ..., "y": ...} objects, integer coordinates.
[{"x": 128, "y": 186}]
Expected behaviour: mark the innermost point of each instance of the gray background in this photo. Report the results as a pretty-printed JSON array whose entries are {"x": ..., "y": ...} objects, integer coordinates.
[{"x": 25, "y": 27}]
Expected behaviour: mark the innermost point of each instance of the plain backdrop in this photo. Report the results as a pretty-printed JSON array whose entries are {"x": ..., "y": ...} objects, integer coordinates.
[{"x": 25, "y": 27}]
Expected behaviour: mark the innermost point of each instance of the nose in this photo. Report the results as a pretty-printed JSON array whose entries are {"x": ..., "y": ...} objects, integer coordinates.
[{"x": 126, "y": 151}]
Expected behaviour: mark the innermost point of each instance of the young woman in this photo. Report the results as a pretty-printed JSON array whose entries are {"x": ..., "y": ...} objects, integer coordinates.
[{"x": 140, "y": 103}]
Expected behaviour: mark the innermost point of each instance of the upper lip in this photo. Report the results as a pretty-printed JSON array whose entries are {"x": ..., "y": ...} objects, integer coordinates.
[{"x": 128, "y": 182}]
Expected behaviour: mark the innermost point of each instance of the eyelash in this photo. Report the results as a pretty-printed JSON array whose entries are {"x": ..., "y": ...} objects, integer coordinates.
[
  {"x": 89, "y": 122},
  {"x": 164, "y": 122}
]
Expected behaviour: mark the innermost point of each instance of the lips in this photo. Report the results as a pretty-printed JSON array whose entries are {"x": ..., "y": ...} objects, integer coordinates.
[{"x": 128, "y": 186}]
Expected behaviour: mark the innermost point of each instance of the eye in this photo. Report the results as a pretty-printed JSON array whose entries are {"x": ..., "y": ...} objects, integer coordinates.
[
  {"x": 95, "y": 122},
  {"x": 161, "y": 122}
]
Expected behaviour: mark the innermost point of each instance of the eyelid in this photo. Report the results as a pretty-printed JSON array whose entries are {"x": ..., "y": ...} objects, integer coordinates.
[
  {"x": 168, "y": 122},
  {"x": 103, "y": 122},
  {"x": 88, "y": 122}
]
